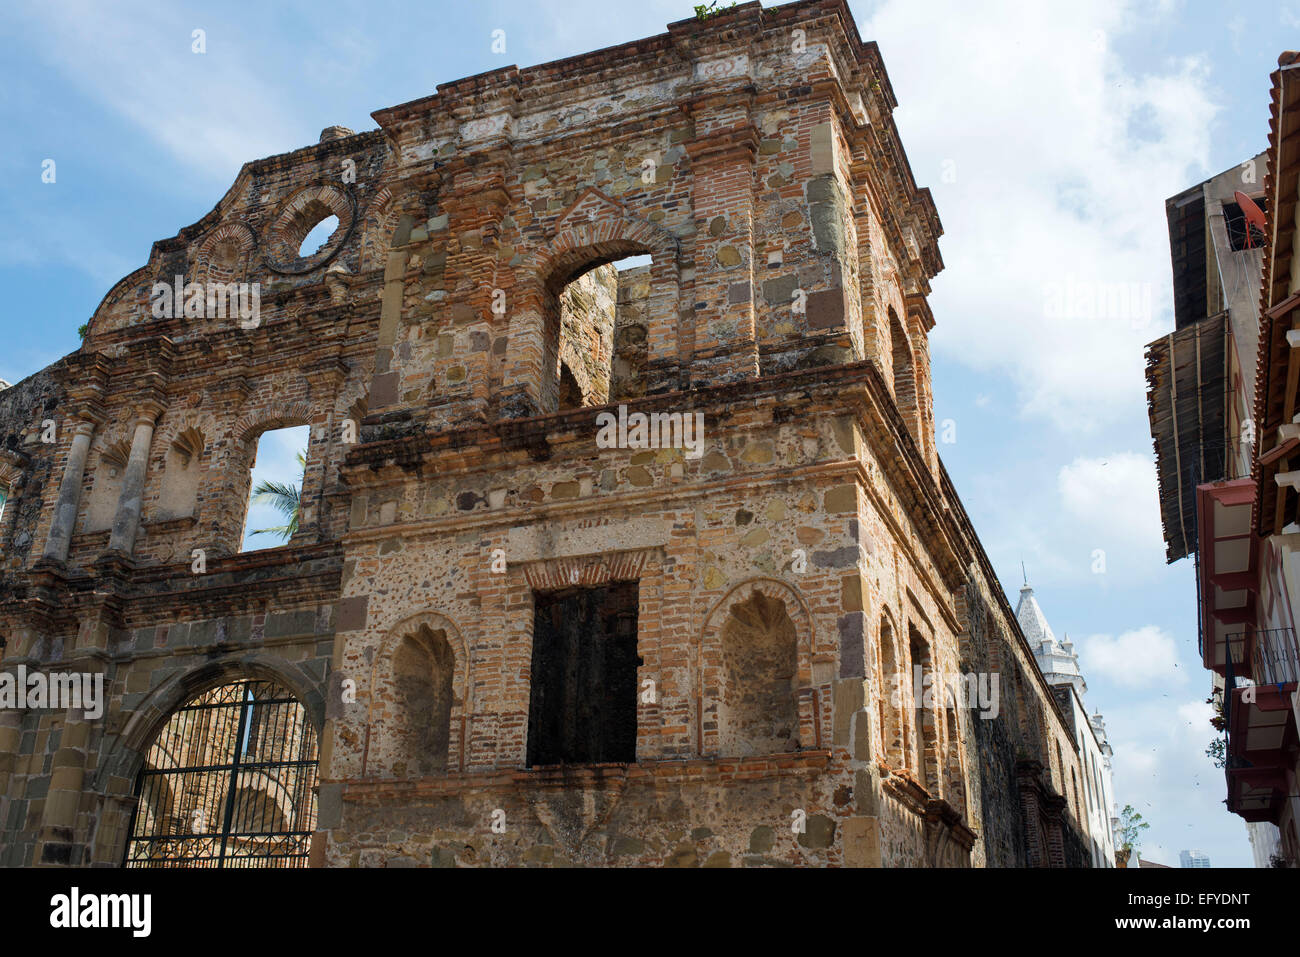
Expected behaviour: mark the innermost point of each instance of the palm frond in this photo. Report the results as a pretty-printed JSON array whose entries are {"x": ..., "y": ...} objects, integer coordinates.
[
  {"x": 284, "y": 531},
  {"x": 285, "y": 499}
]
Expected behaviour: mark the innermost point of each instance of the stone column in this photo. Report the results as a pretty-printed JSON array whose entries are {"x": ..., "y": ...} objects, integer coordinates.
[
  {"x": 65, "y": 510},
  {"x": 127, "y": 520}
]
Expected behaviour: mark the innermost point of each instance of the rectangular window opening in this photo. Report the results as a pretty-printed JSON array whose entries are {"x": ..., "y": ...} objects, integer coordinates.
[
  {"x": 582, "y": 707},
  {"x": 1241, "y": 234},
  {"x": 275, "y": 488}
]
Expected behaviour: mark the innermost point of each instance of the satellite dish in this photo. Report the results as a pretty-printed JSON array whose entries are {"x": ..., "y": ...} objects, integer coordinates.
[{"x": 1254, "y": 217}]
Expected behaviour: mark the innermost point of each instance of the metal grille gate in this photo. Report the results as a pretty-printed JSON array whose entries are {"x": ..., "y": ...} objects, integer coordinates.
[{"x": 229, "y": 782}]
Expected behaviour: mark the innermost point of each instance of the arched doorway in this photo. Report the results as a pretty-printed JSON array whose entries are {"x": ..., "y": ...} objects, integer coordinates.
[{"x": 229, "y": 781}]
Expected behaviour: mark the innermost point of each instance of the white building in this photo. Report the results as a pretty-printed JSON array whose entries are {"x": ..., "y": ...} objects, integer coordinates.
[
  {"x": 1265, "y": 842},
  {"x": 1060, "y": 666},
  {"x": 1193, "y": 859}
]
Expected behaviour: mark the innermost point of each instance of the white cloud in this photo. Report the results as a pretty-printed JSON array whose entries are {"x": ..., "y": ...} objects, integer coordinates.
[
  {"x": 1162, "y": 770},
  {"x": 1114, "y": 501},
  {"x": 1143, "y": 658},
  {"x": 1063, "y": 159}
]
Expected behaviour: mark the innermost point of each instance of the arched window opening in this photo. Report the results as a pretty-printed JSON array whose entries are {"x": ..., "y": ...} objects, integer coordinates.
[
  {"x": 229, "y": 781},
  {"x": 906, "y": 390},
  {"x": 420, "y": 722},
  {"x": 893, "y": 697},
  {"x": 956, "y": 774},
  {"x": 757, "y": 709},
  {"x": 925, "y": 741},
  {"x": 273, "y": 490},
  {"x": 602, "y": 318},
  {"x": 318, "y": 236}
]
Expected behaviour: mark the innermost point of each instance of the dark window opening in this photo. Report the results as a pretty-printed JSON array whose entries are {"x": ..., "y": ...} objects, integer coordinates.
[
  {"x": 1242, "y": 235},
  {"x": 604, "y": 320},
  {"x": 582, "y": 708}
]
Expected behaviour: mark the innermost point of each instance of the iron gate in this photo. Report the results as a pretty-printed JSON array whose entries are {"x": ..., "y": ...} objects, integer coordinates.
[{"x": 229, "y": 782}]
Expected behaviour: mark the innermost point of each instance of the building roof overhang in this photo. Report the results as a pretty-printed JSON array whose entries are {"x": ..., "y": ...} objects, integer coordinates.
[
  {"x": 1187, "y": 408},
  {"x": 1277, "y": 373}
]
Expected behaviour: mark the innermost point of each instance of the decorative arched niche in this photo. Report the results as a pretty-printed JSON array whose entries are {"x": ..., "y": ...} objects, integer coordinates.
[
  {"x": 106, "y": 487},
  {"x": 417, "y": 700},
  {"x": 226, "y": 253},
  {"x": 182, "y": 472},
  {"x": 756, "y": 672}
]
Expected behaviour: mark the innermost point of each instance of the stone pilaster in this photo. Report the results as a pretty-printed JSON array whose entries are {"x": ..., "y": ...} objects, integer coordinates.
[
  {"x": 65, "y": 508},
  {"x": 126, "y": 523}
]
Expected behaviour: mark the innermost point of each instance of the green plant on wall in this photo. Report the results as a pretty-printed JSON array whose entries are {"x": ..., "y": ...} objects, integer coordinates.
[{"x": 705, "y": 10}]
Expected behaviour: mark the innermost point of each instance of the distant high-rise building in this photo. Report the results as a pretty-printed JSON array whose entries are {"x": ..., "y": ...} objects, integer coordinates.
[{"x": 1193, "y": 859}]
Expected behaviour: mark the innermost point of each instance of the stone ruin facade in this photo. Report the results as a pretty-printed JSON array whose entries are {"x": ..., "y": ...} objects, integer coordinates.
[{"x": 515, "y": 643}]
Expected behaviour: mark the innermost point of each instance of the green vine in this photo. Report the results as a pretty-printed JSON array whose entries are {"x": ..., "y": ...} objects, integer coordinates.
[{"x": 705, "y": 10}]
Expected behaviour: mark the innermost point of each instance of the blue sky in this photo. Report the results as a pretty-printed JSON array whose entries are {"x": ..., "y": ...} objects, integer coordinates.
[{"x": 1050, "y": 137}]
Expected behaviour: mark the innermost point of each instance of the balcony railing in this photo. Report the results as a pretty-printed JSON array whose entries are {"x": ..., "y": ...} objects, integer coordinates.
[{"x": 1274, "y": 656}]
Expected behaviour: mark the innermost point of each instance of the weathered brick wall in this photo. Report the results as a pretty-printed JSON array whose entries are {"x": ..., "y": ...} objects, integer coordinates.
[
  {"x": 27, "y": 464},
  {"x": 765, "y": 180}
]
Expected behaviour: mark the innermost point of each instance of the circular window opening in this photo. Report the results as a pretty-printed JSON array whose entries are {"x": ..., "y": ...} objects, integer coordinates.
[{"x": 318, "y": 237}]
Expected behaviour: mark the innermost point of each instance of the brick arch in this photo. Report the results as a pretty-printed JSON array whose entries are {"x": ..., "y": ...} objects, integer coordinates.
[
  {"x": 594, "y": 231},
  {"x": 175, "y": 423},
  {"x": 11, "y": 472},
  {"x": 297, "y": 216},
  {"x": 710, "y": 660},
  {"x": 114, "y": 441},
  {"x": 239, "y": 233},
  {"x": 382, "y": 678},
  {"x": 377, "y": 226},
  {"x": 127, "y": 753},
  {"x": 795, "y": 607},
  {"x": 279, "y": 415},
  {"x": 905, "y": 377},
  {"x": 116, "y": 775},
  {"x": 382, "y": 215}
]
